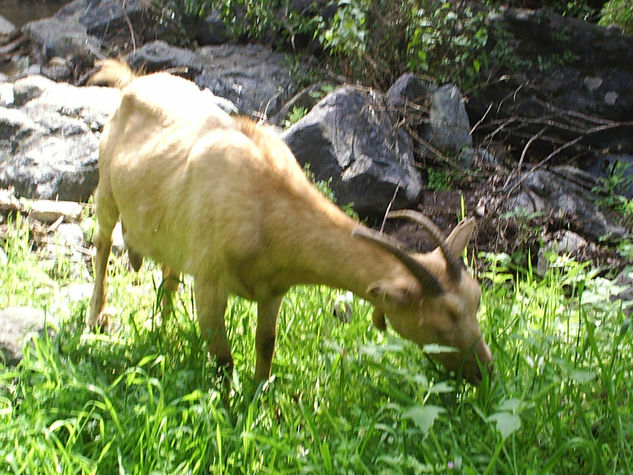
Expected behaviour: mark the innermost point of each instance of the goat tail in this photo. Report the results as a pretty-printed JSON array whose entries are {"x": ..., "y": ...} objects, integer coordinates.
[{"x": 112, "y": 72}]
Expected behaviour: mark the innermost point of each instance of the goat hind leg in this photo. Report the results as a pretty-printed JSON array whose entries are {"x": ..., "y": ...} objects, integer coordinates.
[
  {"x": 210, "y": 306},
  {"x": 265, "y": 337},
  {"x": 170, "y": 283}
]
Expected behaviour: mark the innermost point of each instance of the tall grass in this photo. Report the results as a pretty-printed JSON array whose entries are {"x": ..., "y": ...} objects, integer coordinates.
[{"x": 343, "y": 399}]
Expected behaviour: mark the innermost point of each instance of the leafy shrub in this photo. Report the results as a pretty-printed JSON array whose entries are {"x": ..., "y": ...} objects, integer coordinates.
[
  {"x": 295, "y": 115},
  {"x": 619, "y": 12},
  {"x": 378, "y": 40},
  {"x": 372, "y": 41}
]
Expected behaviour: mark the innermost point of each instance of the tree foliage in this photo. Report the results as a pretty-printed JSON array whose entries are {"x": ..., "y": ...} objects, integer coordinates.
[{"x": 619, "y": 12}]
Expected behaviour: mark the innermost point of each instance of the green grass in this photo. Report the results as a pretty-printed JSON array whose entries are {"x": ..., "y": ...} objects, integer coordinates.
[{"x": 344, "y": 398}]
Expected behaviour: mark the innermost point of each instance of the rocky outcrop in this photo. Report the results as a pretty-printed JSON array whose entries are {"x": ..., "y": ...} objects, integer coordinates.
[
  {"x": 350, "y": 138},
  {"x": 561, "y": 77},
  {"x": 106, "y": 20},
  {"x": 49, "y": 136},
  {"x": 253, "y": 77},
  {"x": 437, "y": 115},
  {"x": 566, "y": 194}
]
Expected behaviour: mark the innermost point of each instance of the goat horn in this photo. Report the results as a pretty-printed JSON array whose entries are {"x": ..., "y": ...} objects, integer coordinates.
[
  {"x": 429, "y": 282},
  {"x": 453, "y": 264}
]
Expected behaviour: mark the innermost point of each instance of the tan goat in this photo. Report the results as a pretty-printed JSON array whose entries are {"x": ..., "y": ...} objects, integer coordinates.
[{"x": 224, "y": 199}]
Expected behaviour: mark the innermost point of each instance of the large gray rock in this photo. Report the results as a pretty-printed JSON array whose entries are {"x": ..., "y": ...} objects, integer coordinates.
[
  {"x": 408, "y": 96},
  {"x": 254, "y": 78},
  {"x": 349, "y": 137},
  {"x": 49, "y": 134},
  {"x": 159, "y": 56},
  {"x": 62, "y": 39},
  {"x": 564, "y": 74},
  {"x": 105, "y": 18},
  {"x": 448, "y": 128},
  {"x": 17, "y": 324},
  {"x": 437, "y": 113},
  {"x": 564, "y": 194}
]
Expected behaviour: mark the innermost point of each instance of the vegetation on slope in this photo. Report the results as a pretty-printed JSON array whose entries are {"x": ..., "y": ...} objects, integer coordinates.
[{"x": 144, "y": 398}]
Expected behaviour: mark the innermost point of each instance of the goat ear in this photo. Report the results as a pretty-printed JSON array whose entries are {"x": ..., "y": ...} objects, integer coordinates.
[
  {"x": 459, "y": 237},
  {"x": 390, "y": 292}
]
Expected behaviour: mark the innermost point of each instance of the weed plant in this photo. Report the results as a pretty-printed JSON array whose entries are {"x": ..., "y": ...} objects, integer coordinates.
[{"x": 144, "y": 398}]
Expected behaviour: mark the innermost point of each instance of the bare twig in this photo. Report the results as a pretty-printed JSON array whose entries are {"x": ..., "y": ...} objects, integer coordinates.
[
  {"x": 480, "y": 121},
  {"x": 524, "y": 154},
  {"x": 593, "y": 130},
  {"x": 129, "y": 25},
  {"x": 393, "y": 198}
]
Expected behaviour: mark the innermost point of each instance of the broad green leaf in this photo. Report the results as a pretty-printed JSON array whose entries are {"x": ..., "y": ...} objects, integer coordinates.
[
  {"x": 423, "y": 416},
  {"x": 507, "y": 423}
]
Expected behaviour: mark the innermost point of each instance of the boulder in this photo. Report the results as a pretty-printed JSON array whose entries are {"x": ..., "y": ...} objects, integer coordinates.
[
  {"x": 350, "y": 138},
  {"x": 448, "y": 128},
  {"x": 253, "y": 77},
  {"x": 105, "y": 18},
  {"x": 159, "y": 56},
  {"x": 565, "y": 75},
  {"x": 408, "y": 96},
  {"x": 213, "y": 31},
  {"x": 17, "y": 324},
  {"x": 62, "y": 39},
  {"x": 563, "y": 242},
  {"x": 565, "y": 194},
  {"x": 49, "y": 134},
  {"x": 437, "y": 113}
]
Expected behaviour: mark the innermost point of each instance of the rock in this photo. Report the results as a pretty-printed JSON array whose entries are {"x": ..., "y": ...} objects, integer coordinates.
[
  {"x": 306, "y": 99},
  {"x": 77, "y": 292},
  {"x": 563, "y": 242},
  {"x": 49, "y": 211},
  {"x": 49, "y": 135},
  {"x": 65, "y": 244},
  {"x": 6, "y": 27},
  {"x": 574, "y": 72},
  {"x": 105, "y": 19},
  {"x": 69, "y": 235},
  {"x": 408, "y": 98},
  {"x": 342, "y": 307},
  {"x": 252, "y": 77},
  {"x": 17, "y": 324},
  {"x": 624, "y": 288},
  {"x": 437, "y": 112},
  {"x": 349, "y": 137},
  {"x": 159, "y": 56},
  {"x": 448, "y": 128},
  {"x": 62, "y": 39},
  {"x": 615, "y": 168},
  {"x": 565, "y": 194},
  {"x": 118, "y": 244},
  {"x": 408, "y": 89}
]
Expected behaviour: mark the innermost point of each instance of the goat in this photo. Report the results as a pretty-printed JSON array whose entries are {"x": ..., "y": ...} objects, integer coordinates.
[{"x": 223, "y": 199}]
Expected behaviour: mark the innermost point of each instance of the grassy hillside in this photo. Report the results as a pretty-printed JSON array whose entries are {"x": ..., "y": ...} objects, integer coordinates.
[{"x": 344, "y": 398}]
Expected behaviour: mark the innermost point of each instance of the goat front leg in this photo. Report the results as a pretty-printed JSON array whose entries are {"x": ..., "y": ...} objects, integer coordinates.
[
  {"x": 267, "y": 312},
  {"x": 210, "y": 305},
  {"x": 106, "y": 219}
]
